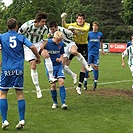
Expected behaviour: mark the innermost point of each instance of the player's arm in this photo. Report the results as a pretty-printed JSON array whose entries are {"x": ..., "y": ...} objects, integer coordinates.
[
  {"x": 101, "y": 45},
  {"x": 43, "y": 52},
  {"x": 85, "y": 28},
  {"x": 23, "y": 28},
  {"x": 59, "y": 59},
  {"x": 63, "y": 17},
  {"x": 123, "y": 56}
]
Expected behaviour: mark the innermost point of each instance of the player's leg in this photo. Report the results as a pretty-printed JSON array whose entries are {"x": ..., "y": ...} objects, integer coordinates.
[
  {"x": 84, "y": 51},
  {"x": 131, "y": 69},
  {"x": 68, "y": 70},
  {"x": 54, "y": 95},
  {"x": 4, "y": 107},
  {"x": 95, "y": 71},
  {"x": 79, "y": 56},
  {"x": 62, "y": 90},
  {"x": 86, "y": 80},
  {"x": 21, "y": 108},
  {"x": 66, "y": 62},
  {"x": 30, "y": 57},
  {"x": 49, "y": 65},
  {"x": 34, "y": 76}
]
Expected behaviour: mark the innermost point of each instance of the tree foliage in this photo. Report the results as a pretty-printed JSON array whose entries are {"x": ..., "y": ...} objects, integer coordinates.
[
  {"x": 127, "y": 14},
  {"x": 115, "y": 16}
]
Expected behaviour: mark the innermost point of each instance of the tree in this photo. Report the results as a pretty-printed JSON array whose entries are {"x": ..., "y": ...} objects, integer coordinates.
[{"x": 127, "y": 14}]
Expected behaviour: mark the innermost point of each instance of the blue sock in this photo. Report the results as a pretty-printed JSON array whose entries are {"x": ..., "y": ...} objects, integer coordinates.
[
  {"x": 54, "y": 95},
  {"x": 62, "y": 94},
  {"x": 4, "y": 109},
  {"x": 86, "y": 74},
  {"x": 95, "y": 74},
  {"x": 21, "y": 109}
]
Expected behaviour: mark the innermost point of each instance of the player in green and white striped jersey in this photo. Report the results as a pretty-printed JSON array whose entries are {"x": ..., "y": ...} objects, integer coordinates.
[
  {"x": 128, "y": 52},
  {"x": 35, "y": 30}
]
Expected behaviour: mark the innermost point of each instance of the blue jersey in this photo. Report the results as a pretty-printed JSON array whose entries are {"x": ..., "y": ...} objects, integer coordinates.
[
  {"x": 94, "y": 39},
  {"x": 129, "y": 43},
  {"x": 12, "y": 50},
  {"x": 54, "y": 50}
]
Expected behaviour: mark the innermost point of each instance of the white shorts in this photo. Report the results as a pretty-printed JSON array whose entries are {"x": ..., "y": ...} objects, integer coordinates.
[
  {"x": 68, "y": 49},
  {"x": 29, "y": 55}
]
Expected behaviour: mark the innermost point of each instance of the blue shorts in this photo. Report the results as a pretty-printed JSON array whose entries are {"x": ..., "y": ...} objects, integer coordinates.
[
  {"x": 58, "y": 72},
  {"x": 93, "y": 59},
  {"x": 11, "y": 79}
]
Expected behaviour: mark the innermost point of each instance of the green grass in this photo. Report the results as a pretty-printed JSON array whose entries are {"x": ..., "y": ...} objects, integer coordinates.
[{"x": 108, "y": 110}]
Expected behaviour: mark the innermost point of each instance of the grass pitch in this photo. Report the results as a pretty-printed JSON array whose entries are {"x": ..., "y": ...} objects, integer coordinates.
[{"x": 107, "y": 110}]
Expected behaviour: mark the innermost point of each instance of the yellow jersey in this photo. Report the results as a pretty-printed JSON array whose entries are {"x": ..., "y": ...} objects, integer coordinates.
[{"x": 82, "y": 36}]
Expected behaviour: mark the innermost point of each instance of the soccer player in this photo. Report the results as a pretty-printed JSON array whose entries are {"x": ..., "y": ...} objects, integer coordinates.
[
  {"x": 55, "y": 48},
  {"x": 70, "y": 48},
  {"x": 128, "y": 52},
  {"x": 94, "y": 43},
  {"x": 13, "y": 70},
  {"x": 80, "y": 30},
  {"x": 35, "y": 30}
]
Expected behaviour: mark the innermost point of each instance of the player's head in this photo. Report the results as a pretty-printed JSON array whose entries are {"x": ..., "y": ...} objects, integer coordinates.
[
  {"x": 58, "y": 36},
  {"x": 80, "y": 19},
  {"x": 12, "y": 24},
  {"x": 40, "y": 19},
  {"x": 95, "y": 26},
  {"x": 53, "y": 26}
]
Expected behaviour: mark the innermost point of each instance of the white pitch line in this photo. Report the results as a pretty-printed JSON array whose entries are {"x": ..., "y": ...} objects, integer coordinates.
[{"x": 104, "y": 83}]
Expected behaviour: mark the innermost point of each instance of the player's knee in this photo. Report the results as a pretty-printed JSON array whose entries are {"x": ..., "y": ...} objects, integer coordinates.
[
  {"x": 61, "y": 82},
  {"x": 45, "y": 54}
]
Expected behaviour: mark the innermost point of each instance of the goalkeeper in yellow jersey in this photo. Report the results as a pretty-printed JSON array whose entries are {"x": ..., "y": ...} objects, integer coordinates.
[{"x": 80, "y": 29}]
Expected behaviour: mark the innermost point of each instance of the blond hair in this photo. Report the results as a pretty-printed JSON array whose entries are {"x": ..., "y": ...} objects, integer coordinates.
[{"x": 58, "y": 35}]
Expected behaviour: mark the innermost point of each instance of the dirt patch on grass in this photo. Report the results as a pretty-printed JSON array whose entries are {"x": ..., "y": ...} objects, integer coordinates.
[{"x": 112, "y": 92}]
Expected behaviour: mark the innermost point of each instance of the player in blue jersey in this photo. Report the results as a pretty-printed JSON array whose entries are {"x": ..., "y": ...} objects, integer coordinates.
[
  {"x": 13, "y": 69},
  {"x": 130, "y": 42},
  {"x": 55, "y": 48},
  {"x": 94, "y": 43}
]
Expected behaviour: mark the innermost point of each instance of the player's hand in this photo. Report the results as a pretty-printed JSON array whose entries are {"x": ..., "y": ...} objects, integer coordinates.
[
  {"x": 64, "y": 15},
  {"x": 123, "y": 64},
  {"x": 102, "y": 52},
  {"x": 58, "y": 60},
  {"x": 38, "y": 61}
]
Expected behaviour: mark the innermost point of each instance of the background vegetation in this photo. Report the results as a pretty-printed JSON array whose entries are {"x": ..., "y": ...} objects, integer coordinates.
[{"x": 115, "y": 16}]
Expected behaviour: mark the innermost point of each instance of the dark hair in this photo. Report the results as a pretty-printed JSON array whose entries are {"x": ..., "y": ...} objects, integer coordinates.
[
  {"x": 52, "y": 24},
  {"x": 95, "y": 22},
  {"x": 12, "y": 23},
  {"x": 81, "y": 15},
  {"x": 41, "y": 15}
]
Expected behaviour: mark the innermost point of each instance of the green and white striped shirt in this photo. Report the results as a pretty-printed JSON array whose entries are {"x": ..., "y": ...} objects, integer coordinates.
[
  {"x": 33, "y": 33},
  {"x": 129, "y": 52}
]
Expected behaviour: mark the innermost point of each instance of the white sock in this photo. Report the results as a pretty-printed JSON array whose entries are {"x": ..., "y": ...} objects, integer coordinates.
[
  {"x": 34, "y": 76},
  {"x": 49, "y": 66},
  {"x": 81, "y": 59},
  {"x": 68, "y": 70}
]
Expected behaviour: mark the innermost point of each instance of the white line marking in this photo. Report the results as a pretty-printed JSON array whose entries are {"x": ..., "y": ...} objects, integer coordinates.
[{"x": 104, "y": 83}]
